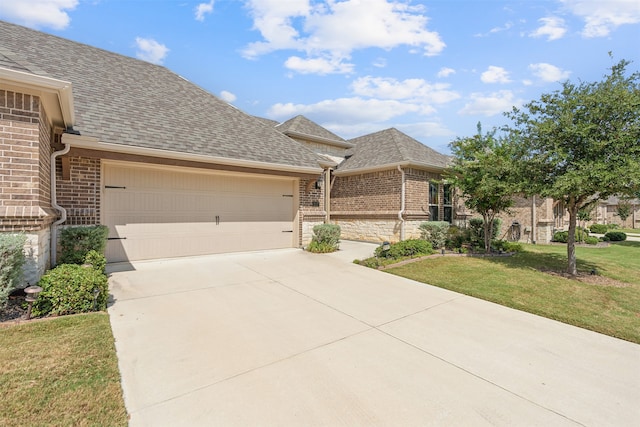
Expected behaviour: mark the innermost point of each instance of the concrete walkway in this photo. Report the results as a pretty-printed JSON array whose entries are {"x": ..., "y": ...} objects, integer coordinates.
[{"x": 288, "y": 338}]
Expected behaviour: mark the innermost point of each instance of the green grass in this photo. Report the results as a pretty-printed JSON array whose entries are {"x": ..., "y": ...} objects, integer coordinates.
[
  {"x": 610, "y": 306},
  {"x": 60, "y": 372}
]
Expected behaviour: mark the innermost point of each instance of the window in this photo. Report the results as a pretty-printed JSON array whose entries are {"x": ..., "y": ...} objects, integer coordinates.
[
  {"x": 447, "y": 202},
  {"x": 433, "y": 201}
]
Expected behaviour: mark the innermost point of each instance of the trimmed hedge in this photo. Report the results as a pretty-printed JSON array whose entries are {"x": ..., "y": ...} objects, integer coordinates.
[
  {"x": 77, "y": 242},
  {"x": 615, "y": 236},
  {"x": 406, "y": 248},
  {"x": 598, "y": 228}
]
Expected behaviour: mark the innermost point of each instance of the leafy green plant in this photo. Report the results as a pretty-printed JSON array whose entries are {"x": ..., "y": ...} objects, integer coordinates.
[
  {"x": 476, "y": 230},
  {"x": 11, "y": 261},
  {"x": 591, "y": 240},
  {"x": 506, "y": 246},
  {"x": 71, "y": 288},
  {"x": 326, "y": 238},
  {"x": 456, "y": 237},
  {"x": 405, "y": 248},
  {"x": 599, "y": 228},
  {"x": 616, "y": 236},
  {"x": 434, "y": 232},
  {"x": 96, "y": 260},
  {"x": 77, "y": 242}
]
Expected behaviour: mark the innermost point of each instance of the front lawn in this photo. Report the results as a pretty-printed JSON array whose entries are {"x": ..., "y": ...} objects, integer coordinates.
[
  {"x": 532, "y": 281},
  {"x": 60, "y": 372}
]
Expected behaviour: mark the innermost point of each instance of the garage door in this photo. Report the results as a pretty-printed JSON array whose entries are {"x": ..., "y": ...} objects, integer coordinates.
[{"x": 173, "y": 212}]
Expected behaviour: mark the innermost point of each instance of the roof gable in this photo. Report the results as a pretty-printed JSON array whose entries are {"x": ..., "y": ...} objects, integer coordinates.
[
  {"x": 389, "y": 148},
  {"x": 300, "y": 125},
  {"x": 126, "y": 101}
]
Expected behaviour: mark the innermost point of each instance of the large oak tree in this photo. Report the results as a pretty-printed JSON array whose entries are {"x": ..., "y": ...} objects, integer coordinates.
[{"x": 581, "y": 143}]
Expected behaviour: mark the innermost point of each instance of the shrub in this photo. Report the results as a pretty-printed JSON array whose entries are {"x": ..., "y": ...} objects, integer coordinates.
[
  {"x": 599, "y": 228},
  {"x": 563, "y": 236},
  {"x": 616, "y": 236},
  {"x": 406, "y": 248},
  {"x": 96, "y": 260},
  {"x": 435, "y": 232},
  {"x": 372, "y": 262},
  {"x": 77, "y": 242},
  {"x": 591, "y": 240},
  {"x": 456, "y": 237},
  {"x": 476, "y": 230},
  {"x": 326, "y": 238},
  {"x": 11, "y": 261},
  {"x": 507, "y": 246},
  {"x": 71, "y": 288},
  {"x": 612, "y": 226}
]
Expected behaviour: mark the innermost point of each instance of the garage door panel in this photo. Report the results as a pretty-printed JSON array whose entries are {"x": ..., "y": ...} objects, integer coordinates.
[{"x": 172, "y": 213}]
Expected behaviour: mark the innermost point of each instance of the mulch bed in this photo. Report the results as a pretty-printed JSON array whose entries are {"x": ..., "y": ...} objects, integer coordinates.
[{"x": 13, "y": 312}]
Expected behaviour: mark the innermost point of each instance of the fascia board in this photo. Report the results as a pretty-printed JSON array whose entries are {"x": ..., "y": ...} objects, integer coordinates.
[{"x": 81, "y": 141}]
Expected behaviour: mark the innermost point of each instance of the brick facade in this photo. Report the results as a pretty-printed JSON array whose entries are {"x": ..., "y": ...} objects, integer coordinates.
[
  {"x": 311, "y": 210},
  {"x": 78, "y": 190},
  {"x": 371, "y": 193}
]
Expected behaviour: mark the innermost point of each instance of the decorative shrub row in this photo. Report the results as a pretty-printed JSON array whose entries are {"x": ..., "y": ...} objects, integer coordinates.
[
  {"x": 602, "y": 228},
  {"x": 405, "y": 248},
  {"x": 562, "y": 236},
  {"x": 326, "y": 238},
  {"x": 11, "y": 261}
]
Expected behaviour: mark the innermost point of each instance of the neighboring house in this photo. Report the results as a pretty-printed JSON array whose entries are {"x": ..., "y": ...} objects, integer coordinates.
[
  {"x": 92, "y": 137},
  {"x": 607, "y": 213}
]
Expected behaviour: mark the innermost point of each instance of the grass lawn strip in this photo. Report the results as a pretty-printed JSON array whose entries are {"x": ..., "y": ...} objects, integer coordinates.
[
  {"x": 61, "y": 371},
  {"x": 533, "y": 281}
]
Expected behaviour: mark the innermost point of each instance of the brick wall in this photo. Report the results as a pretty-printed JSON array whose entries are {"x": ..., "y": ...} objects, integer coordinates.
[
  {"x": 80, "y": 193},
  {"x": 372, "y": 192},
  {"x": 311, "y": 211}
]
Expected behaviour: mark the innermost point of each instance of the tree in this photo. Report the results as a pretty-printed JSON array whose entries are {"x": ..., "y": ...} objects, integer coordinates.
[
  {"x": 481, "y": 171},
  {"x": 624, "y": 209},
  {"x": 581, "y": 143}
]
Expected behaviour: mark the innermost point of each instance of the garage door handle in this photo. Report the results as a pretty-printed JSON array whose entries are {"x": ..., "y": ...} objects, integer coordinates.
[
  {"x": 217, "y": 219},
  {"x": 116, "y": 238},
  {"x": 287, "y": 231}
]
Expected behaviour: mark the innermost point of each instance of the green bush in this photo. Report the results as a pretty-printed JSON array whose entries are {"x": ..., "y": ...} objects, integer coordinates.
[
  {"x": 11, "y": 261},
  {"x": 71, "y": 288},
  {"x": 599, "y": 228},
  {"x": 406, "y": 248},
  {"x": 563, "y": 236},
  {"x": 373, "y": 262},
  {"x": 96, "y": 260},
  {"x": 612, "y": 226},
  {"x": 77, "y": 242},
  {"x": 456, "y": 237},
  {"x": 476, "y": 230},
  {"x": 616, "y": 236},
  {"x": 506, "y": 246},
  {"x": 591, "y": 240},
  {"x": 434, "y": 232},
  {"x": 326, "y": 238}
]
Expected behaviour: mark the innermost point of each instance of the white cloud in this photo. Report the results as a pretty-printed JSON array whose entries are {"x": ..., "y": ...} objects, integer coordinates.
[
  {"x": 39, "y": 13},
  {"x": 491, "y": 104},
  {"x": 203, "y": 9},
  {"x": 228, "y": 96},
  {"x": 602, "y": 17},
  {"x": 150, "y": 50},
  {"x": 495, "y": 30},
  {"x": 380, "y": 63},
  {"x": 332, "y": 30},
  {"x": 418, "y": 91},
  {"x": 446, "y": 72},
  {"x": 548, "y": 73},
  {"x": 495, "y": 75},
  {"x": 553, "y": 28},
  {"x": 320, "y": 66},
  {"x": 346, "y": 110}
]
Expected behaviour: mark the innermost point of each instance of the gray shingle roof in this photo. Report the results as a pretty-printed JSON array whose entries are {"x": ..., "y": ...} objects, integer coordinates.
[
  {"x": 391, "y": 147},
  {"x": 126, "y": 101},
  {"x": 302, "y": 125}
]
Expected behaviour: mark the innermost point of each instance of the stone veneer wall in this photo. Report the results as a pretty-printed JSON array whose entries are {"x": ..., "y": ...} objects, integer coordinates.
[{"x": 25, "y": 201}]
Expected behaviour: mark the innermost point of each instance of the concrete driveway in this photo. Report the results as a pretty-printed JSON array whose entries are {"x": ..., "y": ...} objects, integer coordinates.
[{"x": 288, "y": 338}]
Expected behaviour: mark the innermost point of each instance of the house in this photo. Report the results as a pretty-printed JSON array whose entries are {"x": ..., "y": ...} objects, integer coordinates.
[
  {"x": 607, "y": 212},
  {"x": 92, "y": 137}
]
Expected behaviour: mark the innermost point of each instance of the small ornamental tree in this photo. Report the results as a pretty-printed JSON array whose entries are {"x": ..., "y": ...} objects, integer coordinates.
[
  {"x": 581, "y": 144},
  {"x": 623, "y": 210},
  {"x": 482, "y": 171}
]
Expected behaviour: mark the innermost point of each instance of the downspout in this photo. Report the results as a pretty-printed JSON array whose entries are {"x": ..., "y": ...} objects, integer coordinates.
[
  {"x": 55, "y": 205},
  {"x": 533, "y": 219},
  {"x": 327, "y": 196},
  {"x": 401, "y": 212}
]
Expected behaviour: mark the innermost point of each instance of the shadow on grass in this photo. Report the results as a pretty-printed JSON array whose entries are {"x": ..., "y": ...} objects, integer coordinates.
[
  {"x": 545, "y": 262},
  {"x": 627, "y": 243}
]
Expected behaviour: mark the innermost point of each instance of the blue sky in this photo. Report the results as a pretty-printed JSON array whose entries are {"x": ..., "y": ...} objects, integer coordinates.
[{"x": 432, "y": 69}]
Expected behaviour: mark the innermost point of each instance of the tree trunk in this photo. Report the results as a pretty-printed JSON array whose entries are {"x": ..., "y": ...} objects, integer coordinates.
[
  {"x": 572, "y": 266},
  {"x": 488, "y": 231}
]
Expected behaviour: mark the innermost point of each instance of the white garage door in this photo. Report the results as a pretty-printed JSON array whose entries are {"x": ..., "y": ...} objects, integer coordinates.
[{"x": 172, "y": 212}]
